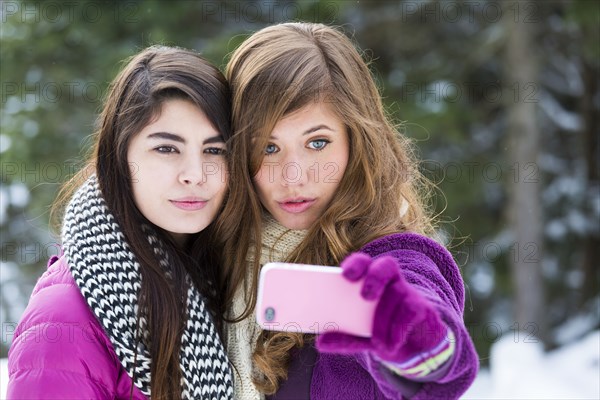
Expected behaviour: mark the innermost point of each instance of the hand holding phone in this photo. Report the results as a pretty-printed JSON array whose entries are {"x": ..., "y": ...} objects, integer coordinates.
[{"x": 312, "y": 299}]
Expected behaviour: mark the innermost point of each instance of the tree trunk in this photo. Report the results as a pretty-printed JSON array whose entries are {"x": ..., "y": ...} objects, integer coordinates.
[
  {"x": 524, "y": 204},
  {"x": 591, "y": 147}
]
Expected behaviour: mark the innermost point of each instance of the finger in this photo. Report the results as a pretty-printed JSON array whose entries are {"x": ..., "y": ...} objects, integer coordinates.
[
  {"x": 389, "y": 329},
  {"x": 342, "y": 343},
  {"x": 382, "y": 272},
  {"x": 355, "y": 266},
  {"x": 392, "y": 323}
]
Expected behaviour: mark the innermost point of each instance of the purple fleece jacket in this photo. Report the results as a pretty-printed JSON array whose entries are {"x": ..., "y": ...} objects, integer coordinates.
[{"x": 431, "y": 269}]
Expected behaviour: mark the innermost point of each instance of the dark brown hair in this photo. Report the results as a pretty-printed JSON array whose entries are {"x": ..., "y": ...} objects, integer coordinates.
[
  {"x": 279, "y": 70},
  {"x": 135, "y": 98}
]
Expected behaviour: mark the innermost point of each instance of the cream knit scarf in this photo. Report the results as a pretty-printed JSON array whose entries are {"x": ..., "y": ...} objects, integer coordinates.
[{"x": 278, "y": 242}]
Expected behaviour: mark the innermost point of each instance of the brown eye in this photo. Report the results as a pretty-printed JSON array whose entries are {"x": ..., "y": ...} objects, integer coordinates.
[
  {"x": 217, "y": 151},
  {"x": 165, "y": 149}
]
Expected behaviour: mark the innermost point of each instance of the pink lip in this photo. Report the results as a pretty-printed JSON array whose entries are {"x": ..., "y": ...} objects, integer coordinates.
[
  {"x": 296, "y": 205},
  {"x": 189, "y": 203}
]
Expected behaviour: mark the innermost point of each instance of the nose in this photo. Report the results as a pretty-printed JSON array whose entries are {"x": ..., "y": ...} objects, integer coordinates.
[
  {"x": 191, "y": 171},
  {"x": 296, "y": 171}
]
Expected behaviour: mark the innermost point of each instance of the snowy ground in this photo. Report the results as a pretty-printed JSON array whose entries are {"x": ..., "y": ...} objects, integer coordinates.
[
  {"x": 523, "y": 371},
  {"x": 520, "y": 371}
]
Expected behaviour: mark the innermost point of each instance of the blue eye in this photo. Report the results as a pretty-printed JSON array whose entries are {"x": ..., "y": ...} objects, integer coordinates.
[
  {"x": 271, "y": 149},
  {"x": 318, "y": 144}
]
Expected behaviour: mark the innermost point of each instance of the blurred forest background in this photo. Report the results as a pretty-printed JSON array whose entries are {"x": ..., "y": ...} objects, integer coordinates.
[{"x": 501, "y": 98}]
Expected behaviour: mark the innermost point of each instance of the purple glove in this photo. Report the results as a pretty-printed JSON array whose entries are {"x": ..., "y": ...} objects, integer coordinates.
[{"x": 405, "y": 323}]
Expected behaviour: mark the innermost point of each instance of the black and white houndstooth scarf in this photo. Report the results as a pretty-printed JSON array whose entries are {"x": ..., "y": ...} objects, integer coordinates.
[{"x": 108, "y": 276}]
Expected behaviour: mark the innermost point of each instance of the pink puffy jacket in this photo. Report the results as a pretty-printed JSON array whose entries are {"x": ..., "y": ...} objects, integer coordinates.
[{"x": 60, "y": 350}]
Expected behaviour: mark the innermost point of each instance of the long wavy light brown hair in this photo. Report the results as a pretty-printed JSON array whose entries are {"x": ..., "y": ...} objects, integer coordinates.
[
  {"x": 273, "y": 73},
  {"x": 153, "y": 76}
]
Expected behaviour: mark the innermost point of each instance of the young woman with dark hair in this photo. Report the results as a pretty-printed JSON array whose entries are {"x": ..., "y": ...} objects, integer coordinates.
[{"x": 130, "y": 310}]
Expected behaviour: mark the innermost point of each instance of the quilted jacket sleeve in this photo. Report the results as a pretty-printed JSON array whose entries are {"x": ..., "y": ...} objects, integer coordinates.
[{"x": 59, "y": 350}]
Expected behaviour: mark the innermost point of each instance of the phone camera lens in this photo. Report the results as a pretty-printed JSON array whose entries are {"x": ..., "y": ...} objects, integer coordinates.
[{"x": 270, "y": 314}]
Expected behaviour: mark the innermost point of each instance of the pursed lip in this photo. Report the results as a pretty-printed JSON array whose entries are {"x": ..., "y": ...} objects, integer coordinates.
[
  {"x": 296, "y": 205},
  {"x": 189, "y": 203}
]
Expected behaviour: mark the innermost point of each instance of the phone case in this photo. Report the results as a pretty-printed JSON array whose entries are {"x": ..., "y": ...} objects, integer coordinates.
[{"x": 311, "y": 299}]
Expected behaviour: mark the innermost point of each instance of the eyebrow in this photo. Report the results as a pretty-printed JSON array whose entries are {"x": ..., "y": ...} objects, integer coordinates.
[
  {"x": 179, "y": 139},
  {"x": 311, "y": 130},
  {"x": 317, "y": 128}
]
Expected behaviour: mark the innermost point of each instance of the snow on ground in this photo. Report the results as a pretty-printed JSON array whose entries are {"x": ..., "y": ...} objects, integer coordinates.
[{"x": 519, "y": 370}]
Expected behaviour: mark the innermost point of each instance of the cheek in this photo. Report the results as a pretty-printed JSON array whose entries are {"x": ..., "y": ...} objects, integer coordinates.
[
  {"x": 134, "y": 172},
  {"x": 343, "y": 159},
  {"x": 334, "y": 169},
  {"x": 224, "y": 176},
  {"x": 343, "y": 164},
  {"x": 223, "y": 183},
  {"x": 141, "y": 197},
  {"x": 132, "y": 164},
  {"x": 217, "y": 175},
  {"x": 134, "y": 178},
  {"x": 141, "y": 168}
]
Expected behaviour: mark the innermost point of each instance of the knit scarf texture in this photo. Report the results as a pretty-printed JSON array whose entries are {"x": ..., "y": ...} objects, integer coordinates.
[
  {"x": 108, "y": 276},
  {"x": 278, "y": 243}
]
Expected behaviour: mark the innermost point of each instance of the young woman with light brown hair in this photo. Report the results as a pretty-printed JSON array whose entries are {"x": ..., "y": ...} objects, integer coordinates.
[{"x": 320, "y": 176}]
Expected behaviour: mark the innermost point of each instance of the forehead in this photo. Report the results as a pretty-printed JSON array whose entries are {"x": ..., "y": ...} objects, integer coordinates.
[
  {"x": 178, "y": 120},
  {"x": 311, "y": 115}
]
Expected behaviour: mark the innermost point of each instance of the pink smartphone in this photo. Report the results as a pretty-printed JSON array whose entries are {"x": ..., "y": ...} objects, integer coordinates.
[{"x": 311, "y": 299}]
